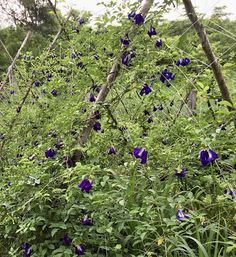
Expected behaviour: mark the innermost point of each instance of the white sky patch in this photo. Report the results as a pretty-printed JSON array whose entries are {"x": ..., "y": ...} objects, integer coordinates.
[{"x": 202, "y": 6}]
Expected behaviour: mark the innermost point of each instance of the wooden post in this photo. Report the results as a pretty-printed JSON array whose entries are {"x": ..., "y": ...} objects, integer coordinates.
[{"x": 206, "y": 46}]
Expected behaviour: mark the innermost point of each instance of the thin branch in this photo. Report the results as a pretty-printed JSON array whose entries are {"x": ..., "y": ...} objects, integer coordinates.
[
  {"x": 10, "y": 69},
  {"x": 206, "y": 46},
  {"x": 84, "y": 135}
]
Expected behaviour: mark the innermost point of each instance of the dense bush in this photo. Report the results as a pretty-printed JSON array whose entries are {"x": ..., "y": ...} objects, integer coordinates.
[{"x": 140, "y": 188}]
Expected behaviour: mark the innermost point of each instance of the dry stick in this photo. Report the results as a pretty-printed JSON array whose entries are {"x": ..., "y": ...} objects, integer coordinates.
[
  {"x": 84, "y": 135},
  {"x": 59, "y": 20},
  {"x": 208, "y": 51},
  {"x": 10, "y": 69},
  {"x": 16, "y": 66},
  {"x": 32, "y": 81}
]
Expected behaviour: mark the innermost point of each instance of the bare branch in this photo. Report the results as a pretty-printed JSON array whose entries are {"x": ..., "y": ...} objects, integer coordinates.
[{"x": 206, "y": 46}]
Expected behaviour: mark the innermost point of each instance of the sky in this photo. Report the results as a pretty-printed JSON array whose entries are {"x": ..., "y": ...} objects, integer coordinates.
[{"x": 203, "y": 6}]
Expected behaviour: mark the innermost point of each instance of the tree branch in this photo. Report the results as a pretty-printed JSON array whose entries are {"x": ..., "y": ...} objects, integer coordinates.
[{"x": 206, "y": 46}]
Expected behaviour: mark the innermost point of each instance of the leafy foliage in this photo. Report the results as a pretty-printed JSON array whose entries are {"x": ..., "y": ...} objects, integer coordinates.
[{"x": 130, "y": 207}]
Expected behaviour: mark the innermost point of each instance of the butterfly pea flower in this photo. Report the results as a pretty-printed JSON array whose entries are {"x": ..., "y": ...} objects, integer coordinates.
[
  {"x": 54, "y": 92},
  {"x": 110, "y": 54},
  {"x": 131, "y": 15},
  {"x": 166, "y": 75},
  {"x": 37, "y": 83},
  {"x": 31, "y": 158},
  {"x": 230, "y": 192},
  {"x": 145, "y": 90},
  {"x": 181, "y": 216},
  {"x": 97, "y": 126},
  {"x": 165, "y": 142},
  {"x": 73, "y": 55},
  {"x": 97, "y": 115},
  {"x": 66, "y": 240},
  {"x": 67, "y": 162},
  {"x": 150, "y": 120},
  {"x": 12, "y": 92},
  {"x": 27, "y": 250},
  {"x": 58, "y": 145},
  {"x": 111, "y": 150},
  {"x": 159, "y": 43},
  {"x": 140, "y": 153},
  {"x": 152, "y": 31},
  {"x": 9, "y": 183},
  {"x": 86, "y": 221},
  {"x": 139, "y": 19},
  {"x": 18, "y": 109},
  {"x": 76, "y": 30},
  {"x": 183, "y": 62},
  {"x": 80, "y": 65},
  {"x": 96, "y": 57},
  {"x": 50, "y": 153},
  {"x": 207, "y": 156},
  {"x": 80, "y": 250},
  {"x": 125, "y": 58},
  {"x": 91, "y": 97},
  {"x": 146, "y": 112},
  {"x": 81, "y": 21},
  {"x": 125, "y": 40},
  {"x": 86, "y": 185},
  {"x": 182, "y": 173},
  {"x": 19, "y": 155}
]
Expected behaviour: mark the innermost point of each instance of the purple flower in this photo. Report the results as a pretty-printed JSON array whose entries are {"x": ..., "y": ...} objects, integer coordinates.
[
  {"x": 58, "y": 145},
  {"x": 12, "y": 92},
  {"x": 97, "y": 126},
  {"x": 181, "y": 216},
  {"x": 182, "y": 173},
  {"x": 97, "y": 115},
  {"x": 139, "y": 19},
  {"x": 67, "y": 162},
  {"x": 183, "y": 62},
  {"x": 159, "y": 43},
  {"x": 18, "y": 109},
  {"x": 166, "y": 75},
  {"x": 91, "y": 97},
  {"x": 31, "y": 158},
  {"x": 80, "y": 249},
  {"x": 111, "y": 150},
  {"x": 140, "y": 153},
  {"x": 230, "y": 192},
  {"x": 150, "y": 120},
  {"x": 125, "y": 40},
  {"x": 76, "y": 30},
  {"x": 81, "y": 21},
  {"x": 73, "y": 55},
  {"x": 80, "y": 65},
  {"x": 96, "y": 57},
  {"x": 37, "y": 83},
  {"x": 86, "y": 221},
  {"x": 86, "y": 185},
  {"x": 152, "y": 31},
  {"x": 27, "y": 250},
  {"x": 66, "y": 240},
  {"x": 131, "y": 15},
  {"x": 146, "y": 112},
  {"x": 165, "y": 142},
  {"x": 125, "y": 58},
  {"x": 207, "y": 156},
  {"x": 49, "y": 153},
  {"x": 145, "y": 90},
  {"x": 110, "y": 54},
  {"x": 54, "y": 92}
]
